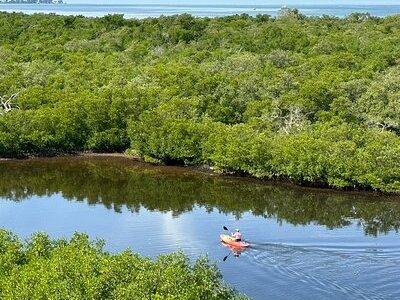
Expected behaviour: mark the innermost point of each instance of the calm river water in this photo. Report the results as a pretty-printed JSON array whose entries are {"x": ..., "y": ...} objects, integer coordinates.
[{"x": 307, "y": 244}]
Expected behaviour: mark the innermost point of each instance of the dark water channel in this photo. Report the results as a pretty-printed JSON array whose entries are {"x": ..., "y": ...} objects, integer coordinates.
[{"x": 307, "y": 244}]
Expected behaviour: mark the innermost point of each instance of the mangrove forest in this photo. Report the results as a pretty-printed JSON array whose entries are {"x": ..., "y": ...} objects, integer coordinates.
[
  {"x": 314, "y": 100},
  {"x": 42, "y": 268}
]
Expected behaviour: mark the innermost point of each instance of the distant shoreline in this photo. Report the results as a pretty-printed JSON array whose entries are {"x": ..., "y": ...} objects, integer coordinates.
[
  {"x": 151, "y": 10},
  {"x": 32, "y": 2}
]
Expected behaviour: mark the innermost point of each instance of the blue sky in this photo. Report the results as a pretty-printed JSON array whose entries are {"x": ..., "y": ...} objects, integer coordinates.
[{"x": 249, "y": 2}]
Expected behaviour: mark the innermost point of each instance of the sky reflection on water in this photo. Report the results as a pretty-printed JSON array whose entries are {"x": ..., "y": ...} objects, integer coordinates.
[{"x": 322, "y": 244}]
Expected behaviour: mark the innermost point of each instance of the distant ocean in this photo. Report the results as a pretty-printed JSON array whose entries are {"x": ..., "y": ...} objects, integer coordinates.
[{"x": 149, "y": 10}]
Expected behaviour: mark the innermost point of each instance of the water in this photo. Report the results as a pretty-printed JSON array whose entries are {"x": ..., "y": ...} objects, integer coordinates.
[
  {"x": 209, "y": 10},
  {"x": 307, "y": 244}
]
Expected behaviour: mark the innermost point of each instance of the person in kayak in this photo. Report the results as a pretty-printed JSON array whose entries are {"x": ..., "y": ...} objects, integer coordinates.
[{"x": 237, "y": 235}]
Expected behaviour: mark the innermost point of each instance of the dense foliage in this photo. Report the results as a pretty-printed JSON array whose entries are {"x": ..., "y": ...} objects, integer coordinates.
[
  {"x": 42, "y": 268},
  {"x": 307, "y": 99}
]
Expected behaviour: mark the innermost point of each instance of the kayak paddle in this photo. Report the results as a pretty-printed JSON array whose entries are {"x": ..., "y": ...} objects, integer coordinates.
[{"x": 226, "y": 257}]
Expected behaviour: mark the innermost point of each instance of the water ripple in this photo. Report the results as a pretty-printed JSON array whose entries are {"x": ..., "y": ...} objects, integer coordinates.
[{"x": 345, "y": 270}]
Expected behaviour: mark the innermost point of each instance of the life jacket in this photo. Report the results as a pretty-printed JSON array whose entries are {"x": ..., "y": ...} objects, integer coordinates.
[{"x": 237, "y": 236}]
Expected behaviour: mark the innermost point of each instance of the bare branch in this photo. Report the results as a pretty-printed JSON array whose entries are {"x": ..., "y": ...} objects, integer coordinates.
[
  {"x": 6, "y": 105},
  {"x": 295, "y": 118}
]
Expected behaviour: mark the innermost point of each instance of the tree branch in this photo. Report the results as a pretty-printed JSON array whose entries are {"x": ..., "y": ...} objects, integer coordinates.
[{"x": 6, "y": 105}]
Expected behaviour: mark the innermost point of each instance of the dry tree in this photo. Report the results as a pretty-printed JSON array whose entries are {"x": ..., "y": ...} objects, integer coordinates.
[{"x": 6, "y": 104}]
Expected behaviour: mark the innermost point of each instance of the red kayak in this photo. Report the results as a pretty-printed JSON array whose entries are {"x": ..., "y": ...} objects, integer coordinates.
[{"x": 232, "y": 242}]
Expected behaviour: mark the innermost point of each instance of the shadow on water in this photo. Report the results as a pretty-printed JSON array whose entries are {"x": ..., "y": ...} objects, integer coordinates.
[{"x": 117, "y": 182}]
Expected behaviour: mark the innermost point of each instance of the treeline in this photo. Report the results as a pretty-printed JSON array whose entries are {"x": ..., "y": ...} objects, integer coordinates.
[
  {"x": 41, "y": 268},
  {"x": 313, "y": 100}
]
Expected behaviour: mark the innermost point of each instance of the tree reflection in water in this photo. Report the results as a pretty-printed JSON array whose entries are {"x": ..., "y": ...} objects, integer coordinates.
[{"x": 116, "y": 182}]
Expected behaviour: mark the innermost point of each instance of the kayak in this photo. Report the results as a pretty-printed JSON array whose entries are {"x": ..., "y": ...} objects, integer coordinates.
[{"x": 232, "y": 242}]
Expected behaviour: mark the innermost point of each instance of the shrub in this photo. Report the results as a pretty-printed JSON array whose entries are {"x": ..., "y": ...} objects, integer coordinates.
[{"x": 77, "y": 268}]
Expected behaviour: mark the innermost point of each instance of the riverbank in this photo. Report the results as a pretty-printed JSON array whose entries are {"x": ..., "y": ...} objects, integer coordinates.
[{"x": 207, "y": 170}]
